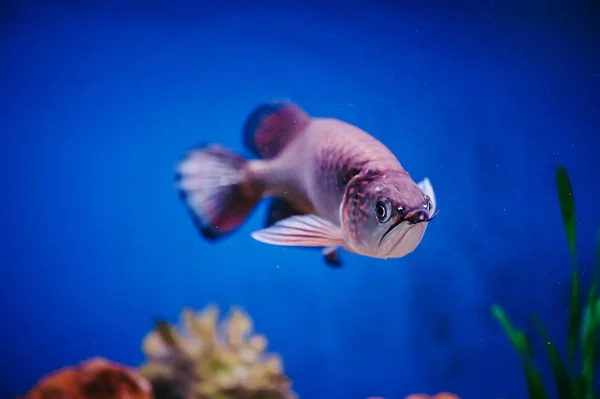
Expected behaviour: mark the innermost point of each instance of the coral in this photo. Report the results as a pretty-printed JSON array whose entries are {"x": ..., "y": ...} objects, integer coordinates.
[
  {"x": 583, "y": 327},
  {"x": 210, "y": 360},
  {"x": 441, "y": 395},
  {"x": 203, "y": 359},
  {"x": 95, "y": 378}
]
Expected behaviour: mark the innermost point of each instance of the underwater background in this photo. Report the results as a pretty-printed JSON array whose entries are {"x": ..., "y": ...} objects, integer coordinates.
[{"x": 101, "y": 99}]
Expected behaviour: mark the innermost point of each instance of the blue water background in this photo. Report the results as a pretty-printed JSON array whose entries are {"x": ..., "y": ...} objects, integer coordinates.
[{"x": 101, "y": 99}]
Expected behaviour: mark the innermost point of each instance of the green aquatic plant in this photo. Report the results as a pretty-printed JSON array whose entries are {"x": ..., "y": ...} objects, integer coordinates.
[
  {"x": 583, "y": 325},
  {"x": 205, "y": 359}
]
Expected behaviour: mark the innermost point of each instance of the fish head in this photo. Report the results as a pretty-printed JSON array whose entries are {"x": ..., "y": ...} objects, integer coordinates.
[{"x": 385, "y": 215}]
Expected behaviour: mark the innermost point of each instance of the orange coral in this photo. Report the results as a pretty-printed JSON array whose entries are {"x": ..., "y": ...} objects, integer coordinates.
[
  {"x": 441, "y": 395},
  {"x": 95, "y": 378}
]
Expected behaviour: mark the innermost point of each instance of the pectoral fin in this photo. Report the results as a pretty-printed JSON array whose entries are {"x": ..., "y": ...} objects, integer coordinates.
[{"x": 301, "y": 231}]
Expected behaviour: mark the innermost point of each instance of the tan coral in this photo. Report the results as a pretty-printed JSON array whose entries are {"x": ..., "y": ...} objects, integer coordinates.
[
  {"x": 95, "y": 378},
  {"x": 205, "y": 359}
]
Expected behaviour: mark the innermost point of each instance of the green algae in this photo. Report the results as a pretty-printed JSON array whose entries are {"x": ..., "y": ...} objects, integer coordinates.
[{"x": 571, "y": 381}]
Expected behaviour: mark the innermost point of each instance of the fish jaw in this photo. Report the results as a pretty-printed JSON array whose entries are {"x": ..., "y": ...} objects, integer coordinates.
[
  {"x": 406, "y": 240},
  {"x": 401, "y": 241},
  {"x": 410, "y": 236}
]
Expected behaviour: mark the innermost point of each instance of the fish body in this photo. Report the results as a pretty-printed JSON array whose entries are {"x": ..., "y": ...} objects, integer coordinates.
[{"x": 331, "y": 185}]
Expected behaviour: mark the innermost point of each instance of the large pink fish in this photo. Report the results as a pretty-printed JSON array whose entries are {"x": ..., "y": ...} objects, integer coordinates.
[{"x": 332, "y": 185}]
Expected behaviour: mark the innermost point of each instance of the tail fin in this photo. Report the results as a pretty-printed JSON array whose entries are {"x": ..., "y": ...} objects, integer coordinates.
[
  {"x": 211, "y": 185},
  {"x": 270, "y": 127}
]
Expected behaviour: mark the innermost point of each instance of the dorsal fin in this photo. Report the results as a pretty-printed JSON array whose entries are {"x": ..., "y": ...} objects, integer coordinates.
[{"x": 270, "y": 127}]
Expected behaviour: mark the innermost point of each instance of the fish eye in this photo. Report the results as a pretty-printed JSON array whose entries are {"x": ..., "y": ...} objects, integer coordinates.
[{"x": 383, "y": 210}]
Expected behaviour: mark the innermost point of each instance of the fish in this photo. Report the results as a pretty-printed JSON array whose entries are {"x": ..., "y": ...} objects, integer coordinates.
[{"x": 330, "y": 186}]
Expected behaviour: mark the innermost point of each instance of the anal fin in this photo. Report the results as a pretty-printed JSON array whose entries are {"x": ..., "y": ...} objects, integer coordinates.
[
  {"x": 331, "y": 256},
  {"x": 280, "y": 209}
]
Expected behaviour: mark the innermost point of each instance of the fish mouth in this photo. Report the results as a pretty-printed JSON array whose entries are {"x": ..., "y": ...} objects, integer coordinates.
[
  {"x": 419, "y": 216},
  {"x": 408, "y": 240},
  {"x": 400, "y": 239},
  {"x": 412, "y": 218},
  {"x": 396, "y": 223}
]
